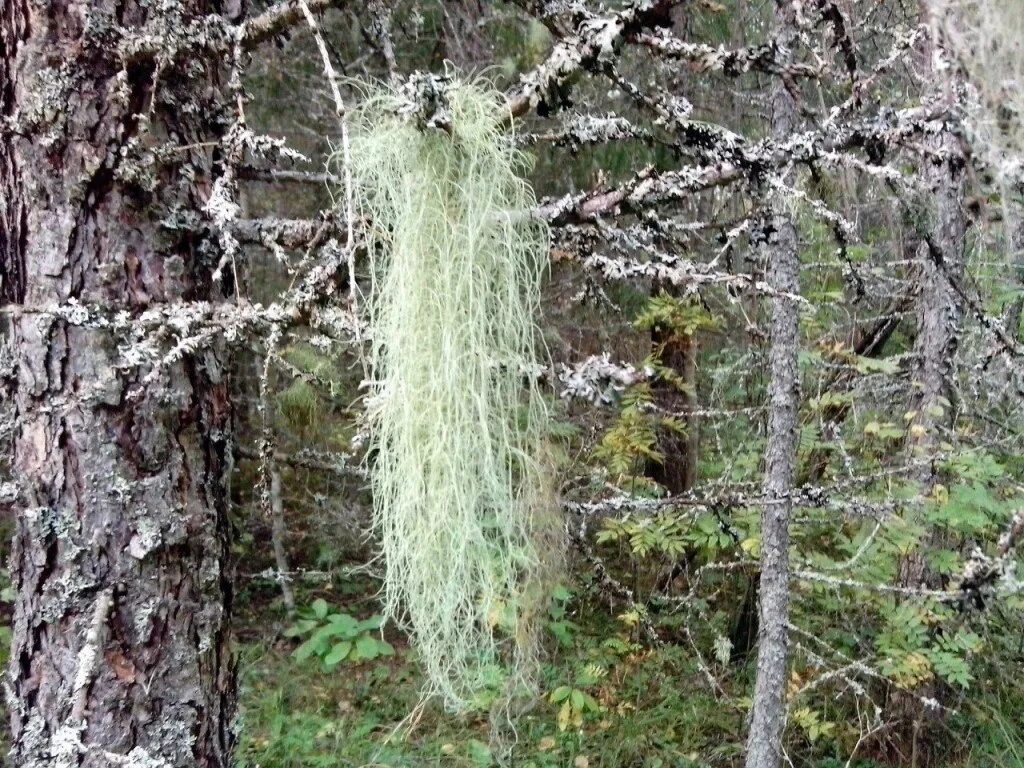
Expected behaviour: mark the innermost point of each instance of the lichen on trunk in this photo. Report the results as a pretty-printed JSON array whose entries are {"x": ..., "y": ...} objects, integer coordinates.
[{"x": 120, "y": 559}]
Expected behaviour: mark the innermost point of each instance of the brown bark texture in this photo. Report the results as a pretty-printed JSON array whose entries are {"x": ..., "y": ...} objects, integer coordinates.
[
  {"x": 120, "y": 558},
  {"x": 678, "y": 471}
]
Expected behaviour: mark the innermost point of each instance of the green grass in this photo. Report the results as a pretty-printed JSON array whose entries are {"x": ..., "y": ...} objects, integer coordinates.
[
  {"x": 654, "y": 709},
  {"x": 996, "y": 726}
]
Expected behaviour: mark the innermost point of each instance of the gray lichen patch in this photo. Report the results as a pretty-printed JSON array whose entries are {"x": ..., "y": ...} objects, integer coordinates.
[
  {"x": 146, "y": 539},
  {"x": 46, "y": 523},
  {"x": 61, "y": 594},
  {"x": 44, "y": 111}
]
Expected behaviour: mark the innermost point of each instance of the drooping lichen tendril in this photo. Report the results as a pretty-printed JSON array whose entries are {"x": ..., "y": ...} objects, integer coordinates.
[{"x": 455, "y": 412}]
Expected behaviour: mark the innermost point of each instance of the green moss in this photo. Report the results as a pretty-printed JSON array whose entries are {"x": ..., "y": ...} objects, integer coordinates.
[{"x": 299, "y": 405}]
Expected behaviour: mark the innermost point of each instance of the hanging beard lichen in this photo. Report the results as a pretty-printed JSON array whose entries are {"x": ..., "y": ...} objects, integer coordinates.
[
  {"x": 455, "y": 415},
  {"x": 986, "y": 39}
]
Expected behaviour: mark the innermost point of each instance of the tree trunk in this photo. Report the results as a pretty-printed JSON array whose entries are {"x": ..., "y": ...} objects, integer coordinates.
[
  {"x": 120, "y": 643},
  {"x": 939, "y": 320},
  {"x": 768, "y": 717},
  {"x": 939, "y": 317},
  {"x": 939, "y": 305},
  {"x": 278, "y": 531},
  {"x": 678, "y": 471}
]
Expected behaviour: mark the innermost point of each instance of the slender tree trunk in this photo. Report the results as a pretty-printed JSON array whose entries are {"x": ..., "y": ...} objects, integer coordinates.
[
  {"x": 940, "y": 273},
  {"x": 678, "y": 471},
  {"x": 940, "y": 312},
  {"x": 939, "y": 308},
  {"x": 768, "y": 718},
  {"x": 278, "y": 531},
  {"x": 1013, "y": 311},
  {"x": 939, "y": 320},
  {"x": 120, "y": 653}
]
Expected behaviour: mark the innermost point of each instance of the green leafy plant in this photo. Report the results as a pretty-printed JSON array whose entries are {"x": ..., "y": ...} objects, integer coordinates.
[
  {"x": 914, "y": 649},
  {"x": 630, "y": 443},
  {"x": 574, "y": 701},
  {"x": 668, "y": 532},
  {"x": 558, "y": 623},
  {"x": 337, "y": 637},
  {"x": 811, "y": 723},
  {"x": 674, "y": 317}
]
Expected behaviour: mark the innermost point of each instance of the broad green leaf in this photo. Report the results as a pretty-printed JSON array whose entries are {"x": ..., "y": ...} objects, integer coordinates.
[
  {"x": 561, "y": 693},
  {"x": 366, "y": 646},
  {"x": 338, "y": 653}
]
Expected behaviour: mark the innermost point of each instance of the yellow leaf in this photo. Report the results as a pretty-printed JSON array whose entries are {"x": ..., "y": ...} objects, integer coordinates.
[
  {"x": 564, "y": 715},
  {"x": 629, "y": 618},
  {"x": 795, "y": 682}
]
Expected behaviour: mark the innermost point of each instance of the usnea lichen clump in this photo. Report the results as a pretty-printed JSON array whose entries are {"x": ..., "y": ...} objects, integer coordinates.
[{"x": 456, "y": 417}]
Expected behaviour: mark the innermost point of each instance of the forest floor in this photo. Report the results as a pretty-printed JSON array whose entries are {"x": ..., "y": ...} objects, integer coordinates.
[
  {"x": 605, "y": 700},
  {"x": 296, "y": 716}
]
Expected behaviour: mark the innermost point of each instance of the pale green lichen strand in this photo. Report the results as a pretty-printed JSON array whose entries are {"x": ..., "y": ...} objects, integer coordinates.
[{"x": 455, "y": 412}]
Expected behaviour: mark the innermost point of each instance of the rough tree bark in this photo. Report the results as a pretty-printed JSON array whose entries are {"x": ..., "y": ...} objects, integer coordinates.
[
  {"x": 120, "y": 653},
  {"x": 939, "y": 306},
  {"x": 768, "y": 717}
]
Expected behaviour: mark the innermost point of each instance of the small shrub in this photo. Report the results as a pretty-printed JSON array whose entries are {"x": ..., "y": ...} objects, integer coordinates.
[{"x": 337, "y": 637}]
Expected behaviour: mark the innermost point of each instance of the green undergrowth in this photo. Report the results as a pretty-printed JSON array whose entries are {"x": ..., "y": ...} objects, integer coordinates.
[
  {"x": 606, "y": 698},
  {"x": 650, "y": 712}
]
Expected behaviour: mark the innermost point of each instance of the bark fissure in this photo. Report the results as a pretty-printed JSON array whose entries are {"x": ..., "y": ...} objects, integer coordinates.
[{"x": 120, "y": 642}]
